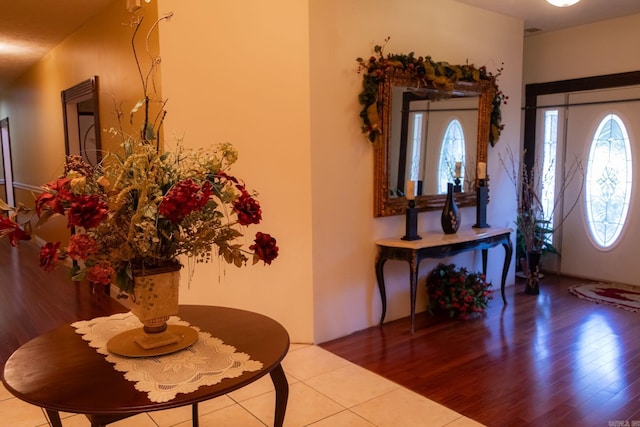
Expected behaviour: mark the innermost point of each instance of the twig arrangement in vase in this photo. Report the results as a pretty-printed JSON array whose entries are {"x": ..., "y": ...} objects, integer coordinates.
[
  {"x": 144, "y": 208},
  {"x": 539, "y": 217}
]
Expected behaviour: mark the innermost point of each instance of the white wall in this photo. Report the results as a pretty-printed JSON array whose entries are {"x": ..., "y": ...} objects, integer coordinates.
[
  {"x": 346, "y": 298},
  {"x": 601, "y": 48},
  {"x": 280, "y": 82}
]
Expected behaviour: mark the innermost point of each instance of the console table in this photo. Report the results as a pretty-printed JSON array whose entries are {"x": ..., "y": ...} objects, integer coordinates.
[
  {"x": 440, "y": 245},
  {"x": 58, "y": 371}
]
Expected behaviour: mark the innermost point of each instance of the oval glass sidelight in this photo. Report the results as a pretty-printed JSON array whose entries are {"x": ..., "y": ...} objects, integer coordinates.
[
  {"x": 608, "y": 181},
  {"x": 452, "y": 151}
]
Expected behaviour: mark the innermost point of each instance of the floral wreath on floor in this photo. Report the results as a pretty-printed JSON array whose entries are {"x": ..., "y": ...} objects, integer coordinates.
[
  {"x": 144, "y": 208},
  {"x": 458, "y": 292}
]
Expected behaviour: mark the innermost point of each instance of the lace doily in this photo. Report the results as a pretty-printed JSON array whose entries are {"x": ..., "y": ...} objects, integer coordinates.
[{"x": 206, "y": 362}]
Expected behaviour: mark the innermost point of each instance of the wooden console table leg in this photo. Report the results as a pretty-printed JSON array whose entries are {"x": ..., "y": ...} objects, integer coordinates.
[
  {"x": 508, "y": 252},
  {"x": 282, "y": 394},
  {"x": 413, "y": 264},
  {"x": 485, "y": 256},
  {"x": 380, "y": 279}
]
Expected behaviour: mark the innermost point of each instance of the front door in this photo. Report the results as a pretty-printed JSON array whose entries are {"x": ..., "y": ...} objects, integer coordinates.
[{"x": 598, "y": 239}]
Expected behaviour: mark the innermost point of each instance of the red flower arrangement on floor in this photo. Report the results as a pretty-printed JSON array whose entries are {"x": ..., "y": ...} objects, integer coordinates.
[{"x": 457, "y": 292}]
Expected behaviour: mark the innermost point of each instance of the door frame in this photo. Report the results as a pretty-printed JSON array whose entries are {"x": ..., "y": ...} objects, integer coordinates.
[
  {"x": 5, "y": 152},
  {"x": 533, "y": 90}
]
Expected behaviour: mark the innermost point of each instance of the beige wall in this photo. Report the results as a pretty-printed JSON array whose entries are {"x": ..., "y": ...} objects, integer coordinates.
[
  {"x": 604, "y": 47},
  {"x": 279, "y": 81},
  {"x": 238, "y": 72},
  {"x": 346, "y": 298},
  {"x": 33, "y": 102}
]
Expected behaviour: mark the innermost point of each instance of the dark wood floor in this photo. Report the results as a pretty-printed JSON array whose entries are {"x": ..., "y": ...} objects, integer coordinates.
[
  {"x": 550, "y": 360},
  {"x": 33, "y": 301}
]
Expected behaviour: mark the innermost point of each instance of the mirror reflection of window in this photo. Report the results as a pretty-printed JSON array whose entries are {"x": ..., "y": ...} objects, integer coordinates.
[
  {"x": 550, "y": 153},
  {"x": 452, "y": 151},
  {"x": 417, "y": 129}
]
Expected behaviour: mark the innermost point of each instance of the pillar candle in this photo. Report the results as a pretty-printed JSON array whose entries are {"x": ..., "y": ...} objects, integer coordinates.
[
  {"x": 458, "y": 169},
  {"x": 411, "y": 190},
  {"x": 482, "y": 170}
]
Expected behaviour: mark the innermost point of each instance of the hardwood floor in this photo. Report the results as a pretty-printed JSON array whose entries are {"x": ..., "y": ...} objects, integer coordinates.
[
  {"x": 550, "y": 360},
  {"x": 33, "y": 301}
]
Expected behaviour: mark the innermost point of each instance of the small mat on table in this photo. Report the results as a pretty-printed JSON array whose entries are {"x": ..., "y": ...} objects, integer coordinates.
[{"x": 206, "y": 362}]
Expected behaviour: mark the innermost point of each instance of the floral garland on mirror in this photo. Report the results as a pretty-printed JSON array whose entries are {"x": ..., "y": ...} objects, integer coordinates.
[{"x": 440, "y": 75}]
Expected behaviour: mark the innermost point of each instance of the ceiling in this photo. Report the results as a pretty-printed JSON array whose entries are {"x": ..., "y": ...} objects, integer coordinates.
[
  {"x": 541, "y": 16},
  {"x": 31, "y": 28}
]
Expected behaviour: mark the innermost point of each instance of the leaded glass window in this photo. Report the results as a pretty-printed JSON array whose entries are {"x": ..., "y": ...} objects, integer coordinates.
[
  {"x": 608, "y": 181},
  {"x": 452, "y": 151},
  {"x": 550, "y": 150}
]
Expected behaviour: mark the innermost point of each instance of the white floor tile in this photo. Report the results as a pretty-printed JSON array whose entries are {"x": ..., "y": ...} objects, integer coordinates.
[
  {"x": 464, "y": 422},
  {"x": 16, "y": 413},
  {"x": 305, "y": 406},
  {"x": 351, "y": 385},
  {"x": 171, "y": 417},
  {"x": 231, "y": 416},
  {"x": 262, "y": 386},
  {"x": 403, "y": 407},
  {"x": 343, "y": 419},
  {"x": 311, "y": 361}
]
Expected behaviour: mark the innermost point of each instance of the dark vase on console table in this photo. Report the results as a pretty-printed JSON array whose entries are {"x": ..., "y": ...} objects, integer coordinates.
[{"x": 450, "y": 218}]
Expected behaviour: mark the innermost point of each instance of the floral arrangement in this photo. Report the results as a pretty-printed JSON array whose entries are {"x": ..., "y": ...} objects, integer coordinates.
[
  {"x": 457, "y": 291},
  {"x": 11, "y": 226},
  {"x": 144, "y": 208},
  {"x": 440, "y": 75}
]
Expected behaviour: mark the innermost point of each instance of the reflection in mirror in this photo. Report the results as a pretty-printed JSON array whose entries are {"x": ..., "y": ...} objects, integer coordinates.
[
  {"x": 451, "y": 161},
  {"x": 421, "y": 84},
  {"x": 470, "y": 103},
  {"x": 82, "y": 121},
  {"x": 429, "y": 138}
]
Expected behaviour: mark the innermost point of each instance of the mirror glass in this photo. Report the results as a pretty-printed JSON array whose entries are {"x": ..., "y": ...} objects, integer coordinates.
[
  {"x": 432, "y": 141},
  {"x": 415, "y": 120}
]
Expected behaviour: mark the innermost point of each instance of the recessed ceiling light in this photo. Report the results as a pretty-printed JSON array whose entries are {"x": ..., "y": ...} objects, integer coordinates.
[{"x": 562, "y": 3}]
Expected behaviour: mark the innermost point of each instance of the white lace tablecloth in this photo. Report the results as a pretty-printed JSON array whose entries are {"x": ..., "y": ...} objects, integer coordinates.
[{"x": 208, "y": 361}]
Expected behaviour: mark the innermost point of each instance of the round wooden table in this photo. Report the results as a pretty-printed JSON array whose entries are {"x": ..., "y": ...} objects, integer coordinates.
[{"x": 58, "y": 371}]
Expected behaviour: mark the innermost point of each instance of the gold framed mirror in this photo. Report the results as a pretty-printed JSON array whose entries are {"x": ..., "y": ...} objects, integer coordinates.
[{"x": 395, "y": 87}]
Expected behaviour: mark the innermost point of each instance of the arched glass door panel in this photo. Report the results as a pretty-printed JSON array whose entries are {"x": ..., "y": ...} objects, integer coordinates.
[{"x": 608, "y": 181}]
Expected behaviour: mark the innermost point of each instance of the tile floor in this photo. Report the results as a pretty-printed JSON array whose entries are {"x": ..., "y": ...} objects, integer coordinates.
[{"x": 324, "y": 391}]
